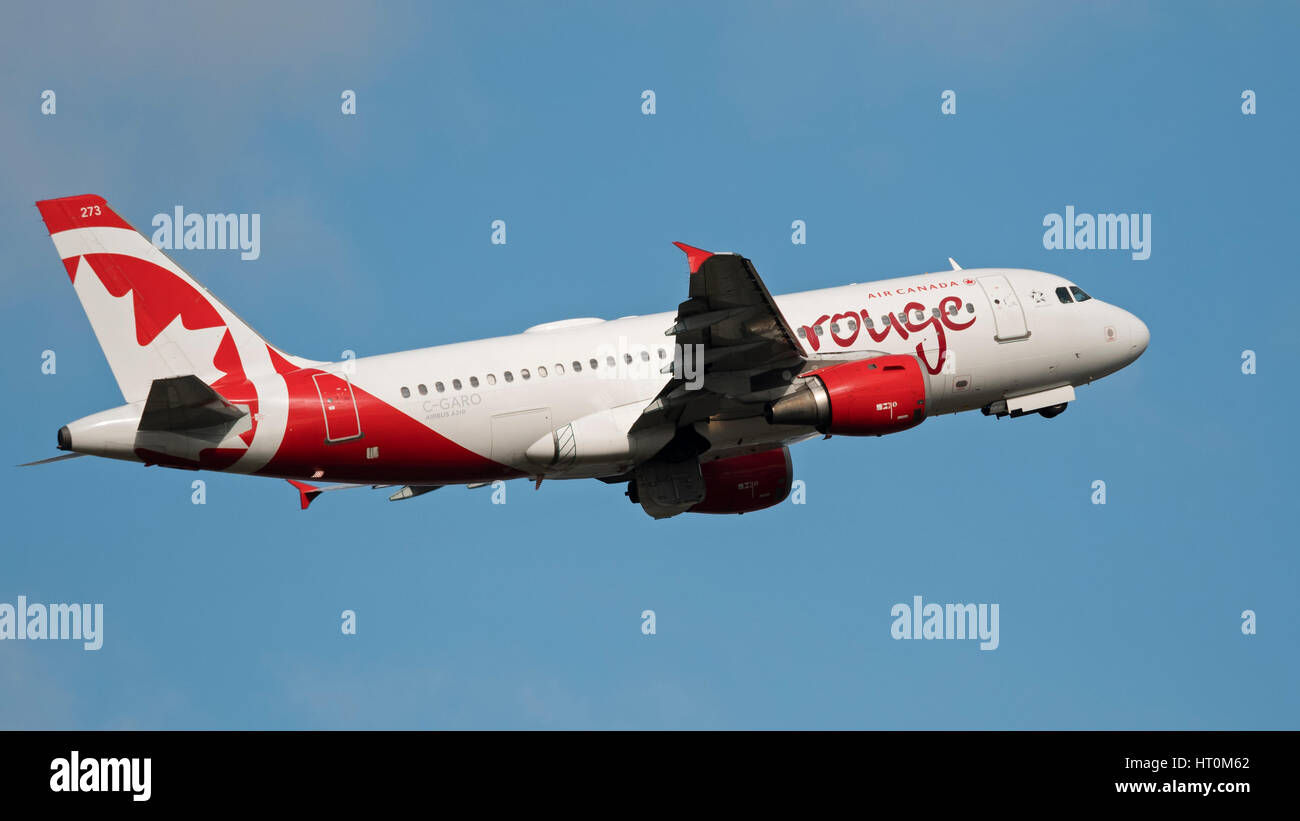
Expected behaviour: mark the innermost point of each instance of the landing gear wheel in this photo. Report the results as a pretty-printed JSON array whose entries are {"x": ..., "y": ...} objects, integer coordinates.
[{"x": 1053, "y": 411}]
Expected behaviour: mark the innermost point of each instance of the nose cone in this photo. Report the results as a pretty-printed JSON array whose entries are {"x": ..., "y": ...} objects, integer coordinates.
[{"x": 1138, "y": 336}]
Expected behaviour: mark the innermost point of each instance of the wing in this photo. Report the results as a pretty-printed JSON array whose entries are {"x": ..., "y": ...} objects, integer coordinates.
[
  {"x": 308, "y": 493},
  {"x": 734, "y": 350}
]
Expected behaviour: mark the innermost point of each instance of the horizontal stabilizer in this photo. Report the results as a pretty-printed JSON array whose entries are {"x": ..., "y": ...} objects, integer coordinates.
[{"x": 179, "y": 403}]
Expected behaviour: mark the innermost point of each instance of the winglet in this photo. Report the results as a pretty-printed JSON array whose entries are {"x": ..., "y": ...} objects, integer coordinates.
[
  {"x": 306, "y": 493},
  {"x": 954, "y": 264},
  {"x": 694, "y": 256}
]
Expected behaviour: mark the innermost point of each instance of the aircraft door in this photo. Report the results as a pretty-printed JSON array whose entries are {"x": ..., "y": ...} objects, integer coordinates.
[
  {"x": 342, "y": 421},
  {"x": 1008, "y": 315}
]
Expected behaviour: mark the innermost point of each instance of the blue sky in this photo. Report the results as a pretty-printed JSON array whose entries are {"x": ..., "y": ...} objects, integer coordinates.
[{"x": 375, "y": 237}]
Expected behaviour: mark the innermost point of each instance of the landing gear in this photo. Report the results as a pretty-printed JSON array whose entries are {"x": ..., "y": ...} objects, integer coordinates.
[{"x": 1053, "y": 411}]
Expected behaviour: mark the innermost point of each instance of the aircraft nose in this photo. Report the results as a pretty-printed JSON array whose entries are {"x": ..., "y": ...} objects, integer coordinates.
[{"x": 1139, "y": 336}]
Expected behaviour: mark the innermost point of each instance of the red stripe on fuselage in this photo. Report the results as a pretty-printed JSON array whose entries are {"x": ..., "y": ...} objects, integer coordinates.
[{"x": 409, "y": 452}]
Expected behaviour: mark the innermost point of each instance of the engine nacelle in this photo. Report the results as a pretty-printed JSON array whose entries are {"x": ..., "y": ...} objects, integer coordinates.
[
  {"x": 742, "y": 484},
  {"x": 869, "y": 397},
  {"x": 735, "y": 484}
]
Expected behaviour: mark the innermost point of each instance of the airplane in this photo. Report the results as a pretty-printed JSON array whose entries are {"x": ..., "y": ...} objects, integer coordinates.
[{"x": 694, "y": 410}]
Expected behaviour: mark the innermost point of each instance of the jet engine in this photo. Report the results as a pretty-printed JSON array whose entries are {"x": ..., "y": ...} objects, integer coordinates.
[{"x": 869, "y": 397}]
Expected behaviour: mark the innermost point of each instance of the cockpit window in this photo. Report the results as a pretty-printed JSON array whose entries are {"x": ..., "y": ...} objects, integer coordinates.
[
  {"x": 1063, "y": 294},
  {"x": 1079, "y": 295}
]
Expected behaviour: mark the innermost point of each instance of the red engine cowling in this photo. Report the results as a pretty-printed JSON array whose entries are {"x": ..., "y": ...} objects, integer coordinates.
[
  {"x": 741, "y": 484},
  {"x": 869, "y": 397}
]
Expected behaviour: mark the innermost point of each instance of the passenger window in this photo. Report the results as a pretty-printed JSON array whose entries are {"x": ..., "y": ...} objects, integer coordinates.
[
  {"x": 559, "y": 369},
  {"x": 645, "y": 356},
  {"x": 422, "y": 389},
  {"x": 593, "y": 363},
  {"x": 885, "y": 320},
  {"x": 952, "y": 310},
  {"x": 577, "y": 366},
  {"x": 970, "y": 307},
  {"x": 1079, "y": 295},
  {"x": 509, "y": 377},
  {"x": 406, "y": 392},
  {"x": 1063, "y": 294},
  {"x": 920, "y": 315},
  {"x": 802, "y": 333},
  {"x": 818, "y": 329},
  {"x": 627, "y": 359},
  {"x": 541, "y": 371},
  {"x": 491, "y": 379},
  {"x": 663, "y": 354},
  {"x": 523, "y": 373},
  {"x": 439, "y": 387},
  {"x": 867, "y": 321},
  {"x": 473, "y": 381},
  {"x": 835, "y": 327},
  {"x": 853, "y": 325},
  {"x": 455, "y": 383},
  {"x": 609, "y": 361},
  {"x": 935, "y": 311}
]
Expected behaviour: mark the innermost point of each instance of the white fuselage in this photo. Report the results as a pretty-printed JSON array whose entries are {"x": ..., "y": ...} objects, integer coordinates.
[{"x": 1023, "y": 340}]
